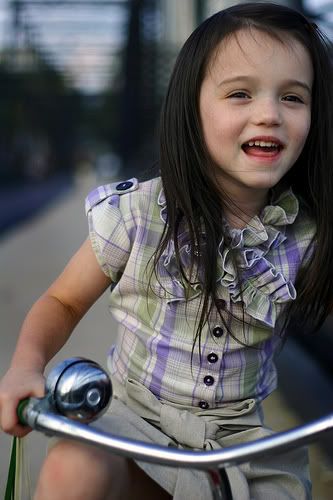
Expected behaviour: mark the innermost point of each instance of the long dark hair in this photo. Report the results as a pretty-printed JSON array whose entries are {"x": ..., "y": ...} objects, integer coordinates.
[{"x": 191, "y": 193}]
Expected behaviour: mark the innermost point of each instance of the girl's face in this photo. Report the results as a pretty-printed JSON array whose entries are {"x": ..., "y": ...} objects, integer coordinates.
[{"x": 255, "y": 108}]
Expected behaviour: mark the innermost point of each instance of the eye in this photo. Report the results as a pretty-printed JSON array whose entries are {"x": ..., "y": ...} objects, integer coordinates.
[
  {"x": 239, "y": 95},
  {"x": 293, "y": 98}
]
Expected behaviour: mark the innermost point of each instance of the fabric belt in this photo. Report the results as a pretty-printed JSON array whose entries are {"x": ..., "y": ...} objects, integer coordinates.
[{"x": 189, "y": 426}]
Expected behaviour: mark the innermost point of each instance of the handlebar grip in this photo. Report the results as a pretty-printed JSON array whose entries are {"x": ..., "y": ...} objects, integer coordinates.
[{"x": 20, "y": 411}]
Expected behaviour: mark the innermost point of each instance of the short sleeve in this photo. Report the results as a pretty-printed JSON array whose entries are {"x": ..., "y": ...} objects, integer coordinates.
[{"x": 108, "y": 233}]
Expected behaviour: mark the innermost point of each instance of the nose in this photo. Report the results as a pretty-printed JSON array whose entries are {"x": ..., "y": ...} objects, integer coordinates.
[{"x": 267, "y": 112}]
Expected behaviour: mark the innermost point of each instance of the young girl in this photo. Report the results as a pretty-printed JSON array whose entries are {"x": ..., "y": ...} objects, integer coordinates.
[{"x": 208, "y": 265}]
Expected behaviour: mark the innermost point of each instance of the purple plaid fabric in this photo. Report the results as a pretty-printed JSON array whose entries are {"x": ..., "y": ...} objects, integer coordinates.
[{"x": 157, "y": 314}]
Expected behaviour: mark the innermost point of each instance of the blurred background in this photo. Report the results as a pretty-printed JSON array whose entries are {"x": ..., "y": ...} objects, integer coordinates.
[
  {"x": 82, "y": 81},
  {"x": 81, "y": 87}
]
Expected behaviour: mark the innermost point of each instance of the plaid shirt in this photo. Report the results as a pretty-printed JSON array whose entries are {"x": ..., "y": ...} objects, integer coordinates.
[{"x": 157, "y": 315}]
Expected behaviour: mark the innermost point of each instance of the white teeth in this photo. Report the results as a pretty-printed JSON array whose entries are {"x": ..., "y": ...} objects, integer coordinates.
[{"x": 263, "y": 144}]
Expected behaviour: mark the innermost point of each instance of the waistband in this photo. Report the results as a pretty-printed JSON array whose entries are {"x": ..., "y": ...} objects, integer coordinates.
[{"x": 188, "y": 425}]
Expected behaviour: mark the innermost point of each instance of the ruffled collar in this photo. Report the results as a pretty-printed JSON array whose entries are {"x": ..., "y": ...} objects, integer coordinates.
[
  {"x": 261, "y": 287},
  {"x": 281, "y": 211}
]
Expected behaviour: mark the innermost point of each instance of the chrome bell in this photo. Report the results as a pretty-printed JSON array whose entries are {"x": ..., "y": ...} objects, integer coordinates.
[{"x": 79, "y": 389}]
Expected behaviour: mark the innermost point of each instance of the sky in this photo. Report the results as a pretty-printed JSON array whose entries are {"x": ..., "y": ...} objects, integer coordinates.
[
  {"x": 78, "y": 40},
  {"x": 81, "y": 41}
]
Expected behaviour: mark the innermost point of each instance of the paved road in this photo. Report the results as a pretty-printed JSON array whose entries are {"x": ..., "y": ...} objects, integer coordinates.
[{"x": 30, "y": 258}]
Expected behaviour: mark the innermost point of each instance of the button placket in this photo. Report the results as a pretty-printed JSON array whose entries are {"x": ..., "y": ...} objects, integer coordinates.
[
  {"x": 212, "y": 357},
  {"x": 212, "y": 365},
  {"x": 209, "y": 380},
  {"x": 218, "y": 331}
]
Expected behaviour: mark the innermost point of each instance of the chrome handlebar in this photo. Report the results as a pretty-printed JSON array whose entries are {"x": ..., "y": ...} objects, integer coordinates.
[{"x": 81, "y": 390}]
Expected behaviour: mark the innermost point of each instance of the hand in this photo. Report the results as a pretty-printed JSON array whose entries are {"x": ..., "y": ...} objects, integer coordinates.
[{"x": 18, "y": 384}]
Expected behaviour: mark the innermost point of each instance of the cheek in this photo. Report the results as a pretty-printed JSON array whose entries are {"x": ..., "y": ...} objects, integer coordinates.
[
  {"x": 220, "y": 126},
  {"x": 301, "y": 132},
  {"x": 212, "y": 133},
  {"x": 304, "y": 134},
  {"x": 208, "y": 119},
  {"x": 307, "y": 125}
]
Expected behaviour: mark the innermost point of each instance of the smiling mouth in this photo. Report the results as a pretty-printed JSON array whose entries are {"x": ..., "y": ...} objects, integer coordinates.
[{"x": 261, "y": 147}]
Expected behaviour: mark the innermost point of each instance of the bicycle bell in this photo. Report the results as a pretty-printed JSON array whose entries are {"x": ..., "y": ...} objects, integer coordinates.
[{"x": 79, "y": 389}]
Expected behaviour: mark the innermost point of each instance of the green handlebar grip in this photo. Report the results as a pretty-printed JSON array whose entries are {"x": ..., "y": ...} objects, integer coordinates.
[{"x": 20, "y": 410}]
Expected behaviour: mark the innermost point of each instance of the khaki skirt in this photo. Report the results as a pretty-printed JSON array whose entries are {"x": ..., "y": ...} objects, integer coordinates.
[{"x": 137, "y": 414}]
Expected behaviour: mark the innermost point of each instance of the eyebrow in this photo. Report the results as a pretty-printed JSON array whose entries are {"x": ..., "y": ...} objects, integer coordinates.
[{"x": 290, "y": 82}]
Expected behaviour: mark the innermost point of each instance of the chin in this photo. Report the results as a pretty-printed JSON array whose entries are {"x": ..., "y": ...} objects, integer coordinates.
[
  {"x": 265, "y": 185},
  {"x": 266, "y": 182}
]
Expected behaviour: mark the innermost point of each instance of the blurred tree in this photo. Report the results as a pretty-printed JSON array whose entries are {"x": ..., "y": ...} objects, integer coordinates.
[{"x": 38, "y": 117}]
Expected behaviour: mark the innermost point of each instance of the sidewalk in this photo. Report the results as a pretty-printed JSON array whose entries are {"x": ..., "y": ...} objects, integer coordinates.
[
  {"x": 19, "y": 202},
  {"x": 30, "y": 258}
]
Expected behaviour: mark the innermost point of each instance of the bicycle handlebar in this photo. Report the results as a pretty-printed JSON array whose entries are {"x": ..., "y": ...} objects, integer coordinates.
[{"x": 37, "y": 415}]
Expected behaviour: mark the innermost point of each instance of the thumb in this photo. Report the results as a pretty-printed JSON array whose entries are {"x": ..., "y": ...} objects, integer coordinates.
[{"x": 38, "y": 390}]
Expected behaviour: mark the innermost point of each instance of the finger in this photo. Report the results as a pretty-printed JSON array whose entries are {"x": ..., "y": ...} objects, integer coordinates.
[
  {"x": 20, "y": 431},
  {"x": 9, "y": 418},
  {"x": 37, "y": 388},
  {"x": 39, "y": 391}
]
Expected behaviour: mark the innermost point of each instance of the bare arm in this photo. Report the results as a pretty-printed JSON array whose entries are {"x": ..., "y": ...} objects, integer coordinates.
[
  {"x": 46, "y": 329},
  {"x": 53, "y": 317}
]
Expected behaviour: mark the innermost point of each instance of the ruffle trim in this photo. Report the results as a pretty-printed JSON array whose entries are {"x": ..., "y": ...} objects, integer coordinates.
[{"x": 260, "y": 286}]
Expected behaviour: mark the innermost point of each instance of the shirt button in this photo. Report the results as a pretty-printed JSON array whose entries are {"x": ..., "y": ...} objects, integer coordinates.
[
  {"x": 209, "y": 380},
  {"x": 204, "y": 405},
  {"x": 124, "y": 185},
  {"x": 212, "y": 357},
  {"x": 217, "y": 331}
]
